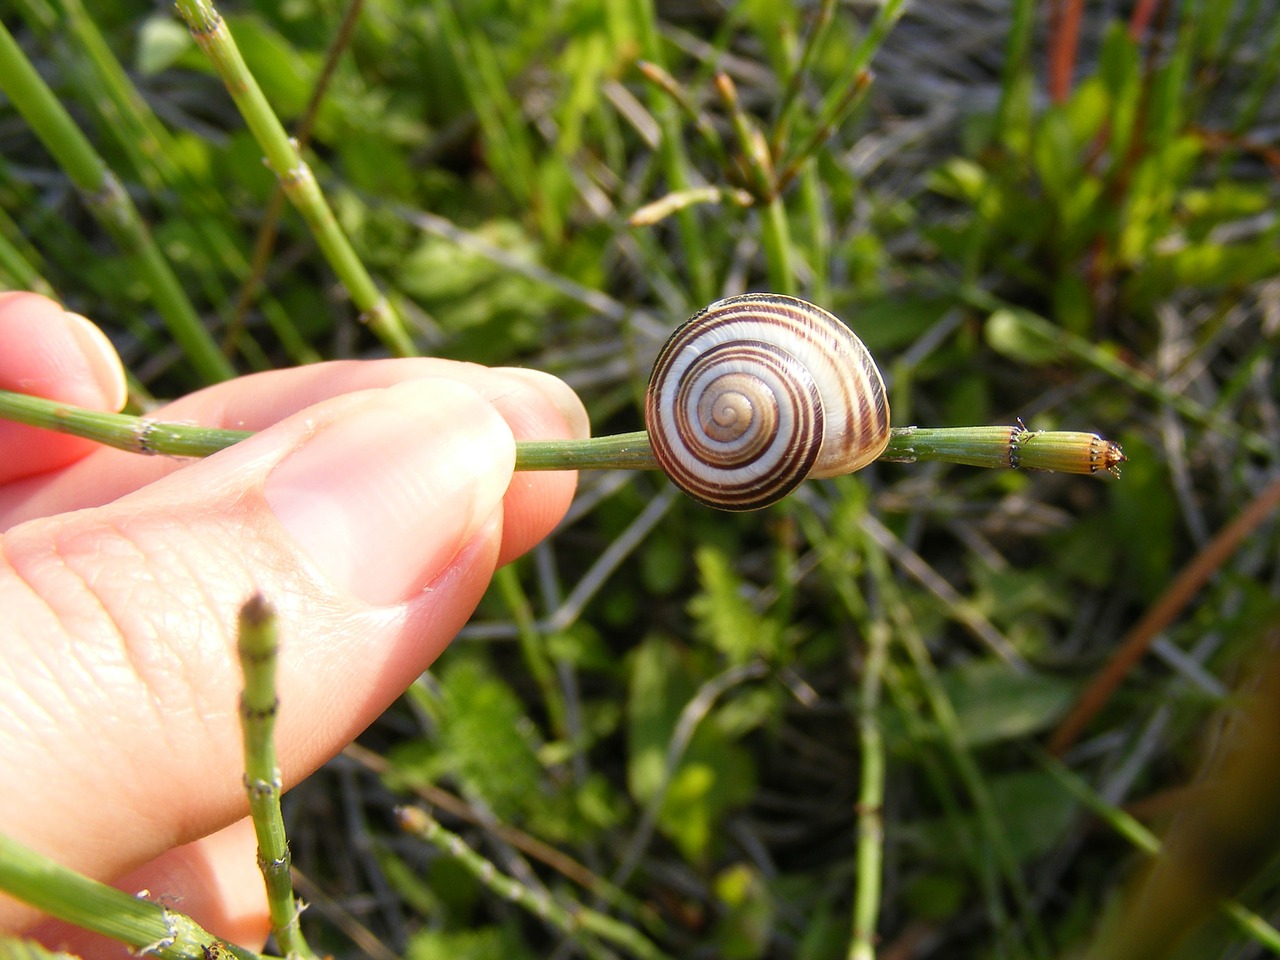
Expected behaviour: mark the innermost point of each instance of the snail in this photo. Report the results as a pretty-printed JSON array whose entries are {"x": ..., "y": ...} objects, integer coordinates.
[{"x": 756, "y": 393}]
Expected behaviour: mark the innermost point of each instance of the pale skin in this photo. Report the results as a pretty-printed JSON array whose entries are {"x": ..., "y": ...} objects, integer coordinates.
[{"x": 371, "y": 509}]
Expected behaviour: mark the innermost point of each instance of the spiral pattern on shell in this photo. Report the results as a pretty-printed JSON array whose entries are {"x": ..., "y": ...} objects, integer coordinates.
[{"x": 754, "y": 394}]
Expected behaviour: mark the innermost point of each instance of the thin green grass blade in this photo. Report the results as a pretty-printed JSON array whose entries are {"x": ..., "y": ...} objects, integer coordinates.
[
  {"x": 533, "y": 649},
  {"x": 18, "y": 259},
  {"x": 108, "y": 89},
  {"x": 110, "y": 204},
  {"x": 674, "y": 160}
]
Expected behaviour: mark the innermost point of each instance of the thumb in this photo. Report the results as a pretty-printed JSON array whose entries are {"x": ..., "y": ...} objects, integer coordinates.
[{"x": 372, "y": 521}]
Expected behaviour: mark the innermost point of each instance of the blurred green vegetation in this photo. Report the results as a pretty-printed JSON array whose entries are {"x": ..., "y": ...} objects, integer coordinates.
[{"x": 683, "y": 702}]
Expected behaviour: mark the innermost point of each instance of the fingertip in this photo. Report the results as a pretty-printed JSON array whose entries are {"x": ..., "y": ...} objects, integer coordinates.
[
  {"x": 539, "y": 406},
  {"x": 11, "y": 299},
  {"x": 48, "y": 352},
  {"x": 101, "y": 358},
  {"x": 535, "y": 503},
  {"x": 559, "y": 394}
]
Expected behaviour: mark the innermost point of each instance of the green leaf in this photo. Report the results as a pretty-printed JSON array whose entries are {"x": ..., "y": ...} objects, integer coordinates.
[
  {"x": 162, "y": 40},
  {"x": 960, "y": 179},
  {"x": 745, "y": 927},
  {"x": 714, "y": 774},
  {"x": 1220, "y": 202},
  {"x": 993, "y": 702},
  {"x": 664, "y": 563},
  {"x": 1072, "y": 303},
  {"x": 486, "y": 738},
  {"x": 936, "y": 896},
  {"x": 481, "y": 943},
  {"x": 1087, "y": 110},
  {"x": 1054, "y": 154},
  {"x": 894, "y": 321},
  {"x": 1007, "y": 334},
  {"x": 581, "y": 646},
  {"x": 1118, "y": 68},
  {"x": 1119, "y": 61},
  {"x": 659, "y": 687},
  {"x": 1034, "y": 813},
  {"x": 724, "y": 617},
  {"x": 489, "y": 311},
  {"x": 1218, "y": 265}
]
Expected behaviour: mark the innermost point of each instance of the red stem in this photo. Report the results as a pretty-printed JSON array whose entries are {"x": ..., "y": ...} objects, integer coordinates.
[
  {"x": 1064, "y": 28},
  {"x": 1141, "y": 17}
]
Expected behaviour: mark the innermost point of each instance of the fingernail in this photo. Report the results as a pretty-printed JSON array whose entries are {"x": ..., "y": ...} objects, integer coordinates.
[
  {"x": 102, "y": 360},
  {"x": 384, "y": 497},
  {"x": 559, "y": 393}
]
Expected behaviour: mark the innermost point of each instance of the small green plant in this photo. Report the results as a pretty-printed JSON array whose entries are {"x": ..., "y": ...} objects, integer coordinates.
[{"x": 1109, "y": 203}]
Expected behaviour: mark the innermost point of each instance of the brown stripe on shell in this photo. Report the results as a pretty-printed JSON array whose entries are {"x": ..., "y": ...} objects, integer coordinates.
[{"x": 844, "y": 391}]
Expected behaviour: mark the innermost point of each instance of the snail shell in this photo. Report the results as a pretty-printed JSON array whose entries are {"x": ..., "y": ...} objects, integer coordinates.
[{"x": 754, "y": 394}]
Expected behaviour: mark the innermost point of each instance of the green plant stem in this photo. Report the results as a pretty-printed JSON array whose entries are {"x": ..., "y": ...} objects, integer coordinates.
[
  {"x": 533, "y": 647},
  {"x": 816, "y": 211},
  {"x": 258, "y": 648},
  {"x": 886, "y": 17},
  {"x": 110, "y": 204},
  {"x": 18, "y": 260},
  {"x": 775, "y": 235},
  {"x": 253, "y": 289},
  {"x": 1021, "y": 33},
  {"x": 994, "y": 447},
  {"x": 756, "y": 165},
  {"x": 573, "y": 921},
  {"x": 148, "y": 928},
  {"x": 855, "y": 92},
  {"x": 672, "y": 87},
  {"x": 296, "y": 179},
  {"x": 791, "y": 102},
  {"x": 910, "y": 691},
  {"x": 869, "y": 857}
]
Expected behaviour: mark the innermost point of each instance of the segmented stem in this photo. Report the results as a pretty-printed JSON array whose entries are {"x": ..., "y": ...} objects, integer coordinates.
[
  {"x": 587, "y": 927},
  {"x": 258, "y": 648},
  {"x": 1013, "y": 447}
]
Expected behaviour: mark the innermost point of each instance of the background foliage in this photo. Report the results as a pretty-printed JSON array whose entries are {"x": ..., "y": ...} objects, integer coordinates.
[{"x": 687, "y": 720}]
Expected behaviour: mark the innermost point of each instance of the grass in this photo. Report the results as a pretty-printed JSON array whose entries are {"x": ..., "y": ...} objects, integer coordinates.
[{"x": 814, "y": 732}]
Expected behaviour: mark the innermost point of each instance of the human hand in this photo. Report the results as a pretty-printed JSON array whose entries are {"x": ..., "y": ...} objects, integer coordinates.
[{"x": 371, "y": 511}]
